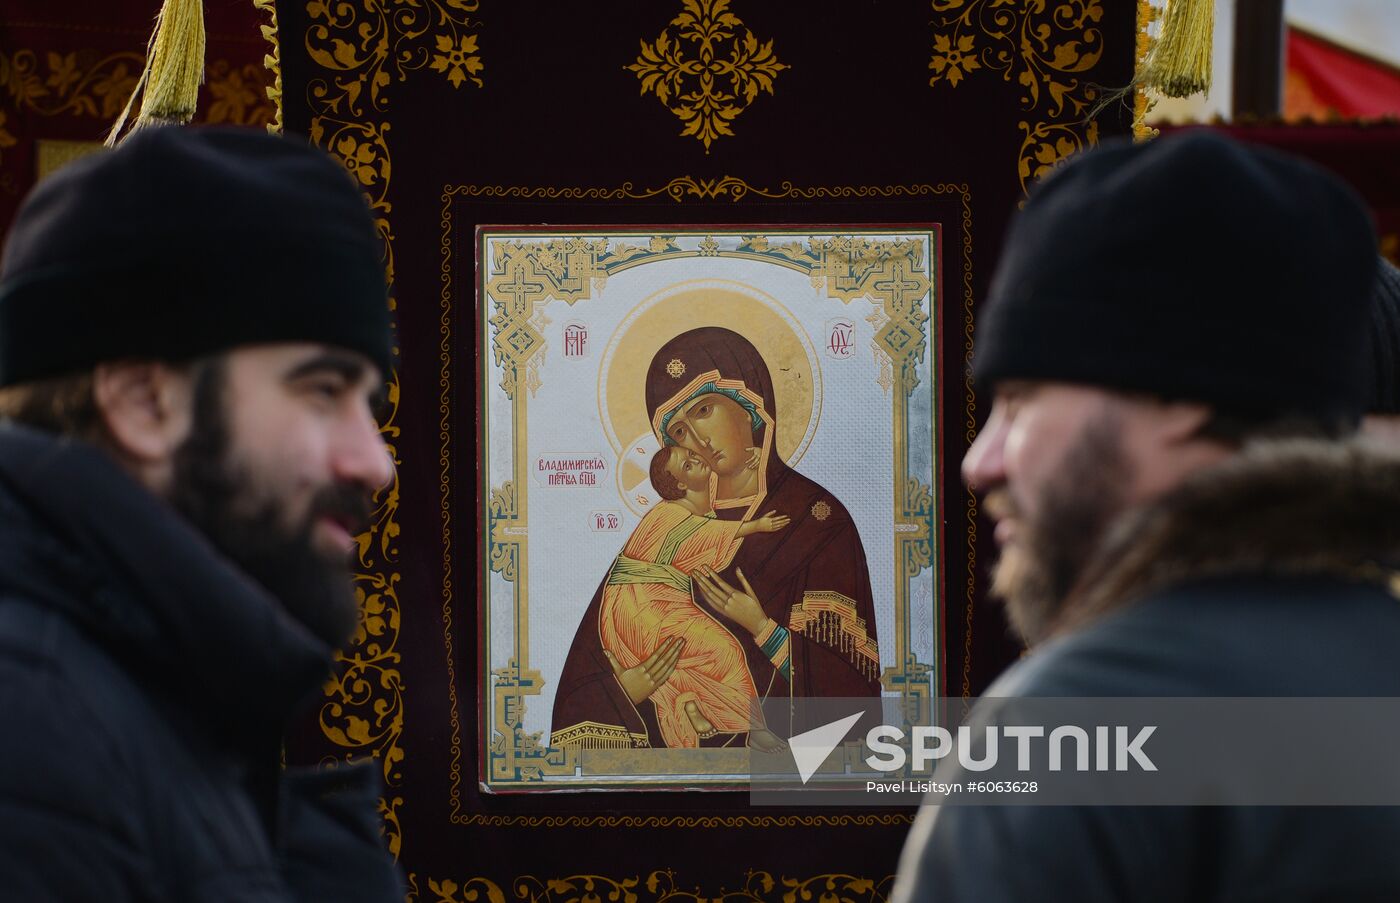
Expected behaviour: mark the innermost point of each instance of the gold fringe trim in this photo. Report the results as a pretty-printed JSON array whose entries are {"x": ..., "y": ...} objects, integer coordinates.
[
  {"x": 830, "y": 619},
  {"x": 169, "y": 85},
  {"x": 1142, "y": 104},
  {"x": 1179, "y": 63},
  {"x": 273, "y": 62}
]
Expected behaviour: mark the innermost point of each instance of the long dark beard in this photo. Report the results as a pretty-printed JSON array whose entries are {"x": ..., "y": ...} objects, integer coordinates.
[
  {"x": 245, "y": 521},
  {"x": 1037, "y": 575}
]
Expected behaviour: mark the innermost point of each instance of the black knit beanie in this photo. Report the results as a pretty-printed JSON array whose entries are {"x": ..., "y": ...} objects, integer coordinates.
[
  {"x": 1384, "y": 358},
  {"x": 1190, "y": 267},
  {"x": 189, "y": 241}
]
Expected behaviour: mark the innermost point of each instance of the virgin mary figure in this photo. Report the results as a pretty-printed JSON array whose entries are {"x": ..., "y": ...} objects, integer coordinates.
[{"x": 798, "y": 600}]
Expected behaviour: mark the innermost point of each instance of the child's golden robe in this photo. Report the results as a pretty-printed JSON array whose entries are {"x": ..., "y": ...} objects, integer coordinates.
[{"x": 648, "y": 601}]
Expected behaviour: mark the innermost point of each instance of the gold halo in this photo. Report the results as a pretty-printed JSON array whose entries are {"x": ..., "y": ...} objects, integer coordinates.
[{"x": 759, "y": 317}]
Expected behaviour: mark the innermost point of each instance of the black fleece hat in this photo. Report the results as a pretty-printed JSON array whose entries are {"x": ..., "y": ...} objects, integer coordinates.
[
  {"x": 1384, "y": 357},
  {"x": 189, "y": 241},
  {"x": 1191, "y": 267}
]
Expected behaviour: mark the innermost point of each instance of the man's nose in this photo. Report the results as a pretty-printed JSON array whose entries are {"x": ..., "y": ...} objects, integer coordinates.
[
  {"x": 984, "y": 466},
  {"x": 362, "y": 456}
]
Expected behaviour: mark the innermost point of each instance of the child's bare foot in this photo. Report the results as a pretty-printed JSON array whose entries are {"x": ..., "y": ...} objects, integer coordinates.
[
  {"x": 765, "y": 740},
  {"x": 702, "y": 725}
]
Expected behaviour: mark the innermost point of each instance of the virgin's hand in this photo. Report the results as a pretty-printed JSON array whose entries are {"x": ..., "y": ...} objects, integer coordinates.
[
  {"x": 644, "y": 679},
  {"x": 772, "y": 522},
  {"x": 743, "y": 608}
]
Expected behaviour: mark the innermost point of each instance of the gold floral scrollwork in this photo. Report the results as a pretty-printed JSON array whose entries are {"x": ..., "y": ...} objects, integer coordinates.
[
  {"x": 687, "y": 188},
  {"x": 1048, "y": 47},
  {"x": 458, "y": 61},
  {"x": 70, "y": 86},
  {"x": 238, "y": 95},
  {"x": 364, "y": 46},
  {"x": 660, "y": 886},
  {"x": 362, "y": 148},
  {"x": 758, "y": 888},
  {"x": 89, "y": 86},
  {"x": 1045, "y": 144},
  {"x": 388, "y": 811},
  {"x": 950, "y": 61},
  {"x": 96, "y": 87},
  {"x": 363, "y": 711},
  {"x": 710, "y": 83},
  {"x": 575, "y": 889},
  {"x": 474, "y": 890},
  {"x": 837, "y": 889}
]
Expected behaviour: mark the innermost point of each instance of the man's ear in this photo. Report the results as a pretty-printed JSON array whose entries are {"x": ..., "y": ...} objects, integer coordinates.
[{"x": 145, "y": 407}]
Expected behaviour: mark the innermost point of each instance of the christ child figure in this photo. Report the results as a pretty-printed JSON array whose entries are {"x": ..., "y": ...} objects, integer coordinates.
[{"x": 647, "y": 602}]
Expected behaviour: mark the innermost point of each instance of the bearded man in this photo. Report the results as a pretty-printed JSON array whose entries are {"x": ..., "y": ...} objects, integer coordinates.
[
  {"x": 193, "y": 330},
  {"x": 1173, "y": 343}
]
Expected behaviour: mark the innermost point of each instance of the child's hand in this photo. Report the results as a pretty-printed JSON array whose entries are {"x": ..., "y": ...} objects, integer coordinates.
[
  {"x": 772, "y": 522},
  {"x": 752, "y": 462}
]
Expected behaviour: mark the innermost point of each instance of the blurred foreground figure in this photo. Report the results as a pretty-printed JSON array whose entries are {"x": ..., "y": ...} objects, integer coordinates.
[
  {"x": 1174, "y": 345},
  {"x": 192, "y": 330}
]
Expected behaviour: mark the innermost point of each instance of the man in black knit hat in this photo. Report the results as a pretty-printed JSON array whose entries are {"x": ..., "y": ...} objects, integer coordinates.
[
  {"x": 1173, "y": 349},
  {"x": 193, "y": 332}
]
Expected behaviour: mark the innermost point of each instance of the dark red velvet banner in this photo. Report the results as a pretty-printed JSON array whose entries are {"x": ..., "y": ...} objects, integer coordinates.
[{"x": 454, "y": 113}]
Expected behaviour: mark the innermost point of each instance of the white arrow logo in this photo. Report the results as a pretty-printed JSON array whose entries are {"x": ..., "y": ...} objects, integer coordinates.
[{"x": 810, "y": 748}]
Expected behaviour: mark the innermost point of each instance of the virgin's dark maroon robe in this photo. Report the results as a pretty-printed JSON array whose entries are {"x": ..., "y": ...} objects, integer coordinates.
[{"x": 799, "y": 574}]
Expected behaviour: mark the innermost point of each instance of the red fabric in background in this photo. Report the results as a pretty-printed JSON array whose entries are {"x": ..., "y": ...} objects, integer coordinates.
[{"x": 1323, "y": 79}]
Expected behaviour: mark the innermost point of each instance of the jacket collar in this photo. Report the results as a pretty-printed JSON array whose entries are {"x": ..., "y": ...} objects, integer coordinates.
[
  {"x": 81, "y": 535},
  {"x": 1278, "y": 508}
]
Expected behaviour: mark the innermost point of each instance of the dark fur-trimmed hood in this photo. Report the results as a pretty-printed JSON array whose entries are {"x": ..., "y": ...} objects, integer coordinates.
[{"x": 1279, "y": 508}]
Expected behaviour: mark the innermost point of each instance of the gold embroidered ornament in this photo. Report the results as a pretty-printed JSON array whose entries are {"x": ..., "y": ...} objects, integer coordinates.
[
  {"x": 675, "y": 368},
  {"x": 169, "y": 85},
  {"x": 821, "y": 510}
]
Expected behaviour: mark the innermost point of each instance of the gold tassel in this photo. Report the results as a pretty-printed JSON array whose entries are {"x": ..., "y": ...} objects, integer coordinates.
[
  {"x": 1179, "y": 64},
  {"x": 169, "y": 85}
]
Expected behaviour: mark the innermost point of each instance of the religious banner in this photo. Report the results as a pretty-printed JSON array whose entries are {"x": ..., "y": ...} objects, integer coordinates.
[
  {"x": 661, "y": 405},
  {"x": 542, "y": 177}
]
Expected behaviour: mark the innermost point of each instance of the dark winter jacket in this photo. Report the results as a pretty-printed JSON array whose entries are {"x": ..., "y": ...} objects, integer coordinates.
[
  {"x": 144, "y": 686},
  {"x": 1265, "y": 577}
]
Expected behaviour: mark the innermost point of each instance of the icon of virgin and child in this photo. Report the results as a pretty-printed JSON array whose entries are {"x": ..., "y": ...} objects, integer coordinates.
[{"x": 746, "y": 582}]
